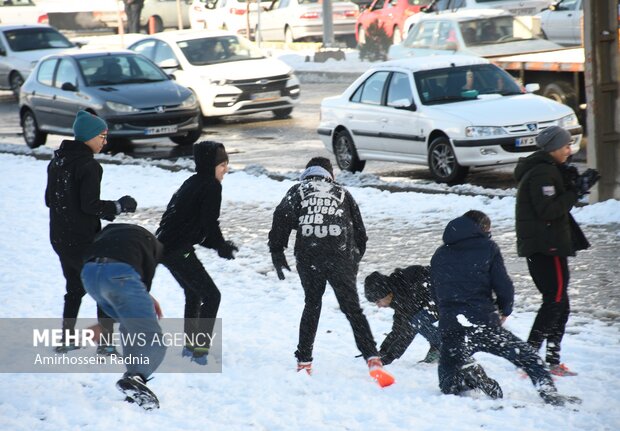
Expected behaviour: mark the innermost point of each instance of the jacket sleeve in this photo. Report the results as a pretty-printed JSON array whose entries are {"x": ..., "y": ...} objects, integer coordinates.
[
  {"x": 209, "y": 217},
  {"x": 501, "y": 283},
  {"x": 398, "y": 340},
  {"x": 549, "y": 197},
  {"x": 89, "y": 183},
  {"x": 284, "y": 221},
  {"x": 359, "y": 230}
]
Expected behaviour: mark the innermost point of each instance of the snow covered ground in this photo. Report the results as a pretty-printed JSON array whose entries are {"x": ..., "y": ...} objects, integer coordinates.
[{"x": 259, "y": 388}]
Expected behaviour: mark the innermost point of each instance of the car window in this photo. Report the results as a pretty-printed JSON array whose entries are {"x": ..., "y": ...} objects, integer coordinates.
[
  {"x": 146, "y": 48},
  {"x": 377, "y": 5},
  {"x": 45, "y": 74},
  {"x": 163, "y": 52},
  {"x": 307, "y": 1},
  {"x": 65, "y": 73},
  {"x": 399, "y": 90},
  {"x": 422, "y": 35},
  {"x": 283, "y": 4},
  {"x": 33, "y": 38},
  {"x": 371, "y": 91},
  {"x": 494, "y": 30},
  {"x": 222, "y": 49},
  {"x": 119, "y": 69},
  {"x": 392, "y": 3},
  {"x": 568, "y": 5},
  {"x": 7, "y": 3}
]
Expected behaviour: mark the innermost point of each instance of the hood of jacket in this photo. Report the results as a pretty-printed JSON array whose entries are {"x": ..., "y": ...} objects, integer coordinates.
[
  {"x": 460, "y": 229},
  {"x": 204, "y": 157},
  {"x": 71, "y": 151},
  {"x": 525, "y": 164}
]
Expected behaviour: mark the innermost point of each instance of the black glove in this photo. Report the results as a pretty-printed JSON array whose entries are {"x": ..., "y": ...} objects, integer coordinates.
[
  {"x": 227, "y": 250},
  {"x": 569, "y": 174},
  {"x": 586, "y": 181},
  {"x": 279, "y": 261},
  {"x": 127, "y": 204}
]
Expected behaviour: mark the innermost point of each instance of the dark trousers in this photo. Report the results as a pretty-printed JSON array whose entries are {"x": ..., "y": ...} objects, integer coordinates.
[
  {"x": 202, "y": 297},
  {"x": 71, "y": 261},
  {"x": 133, "y": 11},
  {"x": 551, "y": 275},
  {"x": 341, "y": 277},
  {"x": 459, "y": 343}
]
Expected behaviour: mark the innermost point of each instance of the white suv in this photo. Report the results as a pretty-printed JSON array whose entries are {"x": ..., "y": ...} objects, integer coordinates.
[{"x": 448, "y": 112}]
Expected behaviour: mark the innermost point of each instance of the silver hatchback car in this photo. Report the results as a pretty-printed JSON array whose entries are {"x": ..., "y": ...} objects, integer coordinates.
[{"x": 134, "y": 96}]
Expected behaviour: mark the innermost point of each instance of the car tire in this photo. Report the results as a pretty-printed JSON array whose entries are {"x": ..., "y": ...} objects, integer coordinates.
[
  {"x": 16, "y": 80},
  {"x": 282, "y": 113},
  {"x": 397, "y": 36},
  {"x": 188, "y": 139},
  {"x": 361, "y": 35},
  {"x": 288, "y": 35},
  {"x": 346, "y": 154},
  {"x": 443, "y": 164},
  {"x": 561, "y": 92},
  {"x": 33, "y": 136}
]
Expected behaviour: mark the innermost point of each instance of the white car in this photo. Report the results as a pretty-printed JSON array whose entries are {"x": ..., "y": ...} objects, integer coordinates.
[
  {"x": 228, "y": 15},
  {"x": 448, "y": 112},
  {"x": 228, "y": 74},
  {"x": 562, "y": 22}
]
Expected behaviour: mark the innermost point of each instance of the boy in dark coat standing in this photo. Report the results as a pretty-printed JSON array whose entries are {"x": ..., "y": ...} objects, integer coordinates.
[
  {"x": 330, "y": 242},
  {"x": 72, "y": 195},
  {"x": 471, "y": 285},
  {"x": 407, "y": 291},
  {"x": 547, "y": 233},
  {"x": 192, "y": 218}
]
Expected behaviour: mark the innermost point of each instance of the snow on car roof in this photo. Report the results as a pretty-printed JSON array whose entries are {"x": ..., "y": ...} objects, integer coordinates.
[{"x": 433, "y": 62}]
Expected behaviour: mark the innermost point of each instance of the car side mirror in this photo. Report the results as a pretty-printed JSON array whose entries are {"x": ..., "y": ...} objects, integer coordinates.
[
  {"x": 80, "y": 43},
  {"x": 404, "y": 104},
  {"x": 170, "y": 63},
  {"x": 531, "y": 88},
  {"x": 67, "y": 86}
]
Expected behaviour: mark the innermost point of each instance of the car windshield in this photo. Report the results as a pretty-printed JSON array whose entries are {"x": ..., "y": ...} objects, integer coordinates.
[
  {"x": 487, "y": 31},
  {"x": 31, "y": 39},
  {"x": 221, "y": 49},
  {"x": 456, "y": 84},
  {"x": 119, "y": 69}
]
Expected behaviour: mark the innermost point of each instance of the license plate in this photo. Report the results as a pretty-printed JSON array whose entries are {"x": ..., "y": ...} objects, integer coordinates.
[
  {"x": 269, "y": 95},
  {"x": 160, "y": 130},
  {"x": 525, "y": 142}
]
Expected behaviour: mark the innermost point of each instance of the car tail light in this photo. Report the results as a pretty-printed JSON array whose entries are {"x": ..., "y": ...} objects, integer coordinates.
[
  {"x": 235, "y": 11},
  {"x": 350, "y": 13},
  {"x": 43, "y": 19},
  {"x": 310, "y": 15}
]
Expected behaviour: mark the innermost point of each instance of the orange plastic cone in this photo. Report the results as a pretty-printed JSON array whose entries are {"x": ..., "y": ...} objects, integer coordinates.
[{"x": 382, "y": 377}]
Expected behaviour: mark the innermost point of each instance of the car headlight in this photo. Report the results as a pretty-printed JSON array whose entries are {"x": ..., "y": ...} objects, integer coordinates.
[
  {"x": 190, "y": 102},
  {"x": 121, "y": 107},
  {"x": 483, "y": 131},
  {"x": 568, "y": 121}
]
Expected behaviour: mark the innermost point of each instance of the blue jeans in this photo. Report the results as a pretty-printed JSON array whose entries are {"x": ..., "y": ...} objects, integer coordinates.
[
  {"x": 120, "y": 292},
  {"x": 423, "y": 323}
]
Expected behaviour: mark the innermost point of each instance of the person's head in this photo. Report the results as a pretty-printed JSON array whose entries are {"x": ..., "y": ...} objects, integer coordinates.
[
  {"x": 322, "y": 162},
  {"x": 469, "y": 80},
  {"x": 481, "y": 219},
  {"x": 377, "y": 289},
  {"x": 556, "y": 141},
  {"x": 211, "y": 159},
  {"x": 91, "y": 130}
]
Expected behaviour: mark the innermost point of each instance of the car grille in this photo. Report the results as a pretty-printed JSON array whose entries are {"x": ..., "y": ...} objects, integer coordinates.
[
  {"x": 158, "y": 121},
  {"x": 520, "y": 129},
  {"x": 271, "y": 83}
]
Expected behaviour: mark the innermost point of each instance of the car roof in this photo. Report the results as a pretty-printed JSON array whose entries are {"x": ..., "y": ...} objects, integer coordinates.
[
  {"x": 180, "y": 35},
  {"x": 24, "y": 26},
  {"x": 432, "y": 62},
  {"x": 465, "y": 14},
  {"x": 96, "y": 53}
]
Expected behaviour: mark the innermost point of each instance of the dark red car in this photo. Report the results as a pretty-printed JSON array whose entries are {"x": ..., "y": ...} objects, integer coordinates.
[{"x": 391, "y": 14}]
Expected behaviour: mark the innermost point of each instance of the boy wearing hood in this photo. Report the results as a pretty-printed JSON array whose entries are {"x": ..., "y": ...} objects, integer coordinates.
[
  {"x": 471, "y": 286},
  {"x": 192, "y": 217},
  {"x": 330, "y": 242},
  {"x": 547, "y": 233},
  {"x": 76, "y": 210}
]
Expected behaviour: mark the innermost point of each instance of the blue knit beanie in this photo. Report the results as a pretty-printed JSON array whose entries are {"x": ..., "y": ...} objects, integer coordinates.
[{"x": 86, "y": 126}]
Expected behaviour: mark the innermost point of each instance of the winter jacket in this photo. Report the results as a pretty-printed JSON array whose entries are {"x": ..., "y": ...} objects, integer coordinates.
[
  {"x": 131, "y": 244},
  {"x": 544, "y": 200},
  {"x": 411, "y": 290},
  {"x": 465, "y": 274},
  {"x": 327, "y": 220},
  {"x": 72, "y": 195},
  {"x": 193, "y": 212}
]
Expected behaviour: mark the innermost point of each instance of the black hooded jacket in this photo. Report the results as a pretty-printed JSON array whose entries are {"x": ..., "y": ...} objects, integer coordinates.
[
  {"x": 327, "y": 219},
  {"x": 466, "y": 273},
  {"x": 193, "y": 212},
  {"x": 72, "y": 195},
  {"x": 131, "y": 244}
]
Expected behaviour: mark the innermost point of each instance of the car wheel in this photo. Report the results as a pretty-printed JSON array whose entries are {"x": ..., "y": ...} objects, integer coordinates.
[
  {"x": 397, "y": 36},
  {"x": 32, "y": 135},
  {"x": 282, "y": 113},
  {"x": 157, "y": 27},
  {"x": 443, "y": 164},
  {"x": 561, "y": 92},
  {"x": 16, "y": 81},
  {"x": 188, "y": 139},
  {"x": 346, "y": 154},
  {"x": 361, "y": 35},
  {"x": 288, "y": 35}
]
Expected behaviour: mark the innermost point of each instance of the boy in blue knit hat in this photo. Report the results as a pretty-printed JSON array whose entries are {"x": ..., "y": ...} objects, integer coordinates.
[{"x": 72, "y": 195}]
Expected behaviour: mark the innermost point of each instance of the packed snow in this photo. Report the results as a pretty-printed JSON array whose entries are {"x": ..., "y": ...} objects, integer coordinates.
[{"x": 258, "y": 388}]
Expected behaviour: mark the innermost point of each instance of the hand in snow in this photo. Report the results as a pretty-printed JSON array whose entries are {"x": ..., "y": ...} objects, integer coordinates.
[{"x": 279, "y": 262}]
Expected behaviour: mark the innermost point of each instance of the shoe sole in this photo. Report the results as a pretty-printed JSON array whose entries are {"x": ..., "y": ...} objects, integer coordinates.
[{"x": 139, "y": 394}]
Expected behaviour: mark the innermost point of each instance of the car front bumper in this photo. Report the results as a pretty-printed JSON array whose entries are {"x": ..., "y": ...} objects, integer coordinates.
[{"x": 153, "y": 125}]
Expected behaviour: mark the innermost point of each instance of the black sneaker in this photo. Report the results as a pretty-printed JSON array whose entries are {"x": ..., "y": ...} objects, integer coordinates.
[
  {"x": 475, "y": 378},
  {"x": 555, "y": 399},
  {"x": 66, "y": 348},
  {"x": 134, "y": 387},
  {"x": 107, "y": 350}
]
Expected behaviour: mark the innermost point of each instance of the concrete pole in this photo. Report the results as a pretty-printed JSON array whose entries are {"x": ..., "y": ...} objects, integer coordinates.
[
  {"x": 328, "y": 24},
  {"x": 602, "y": 69}
]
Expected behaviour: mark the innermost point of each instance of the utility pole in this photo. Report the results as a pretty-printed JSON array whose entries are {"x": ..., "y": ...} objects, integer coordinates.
[
  {"x": 328, "y": 24},
  {"x": 602, "y": 70}
]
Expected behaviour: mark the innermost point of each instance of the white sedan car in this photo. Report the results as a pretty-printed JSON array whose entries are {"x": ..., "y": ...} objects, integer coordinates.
[
  {"x": 448, "y": 112},
  {"x": 228, "y": 74}
]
